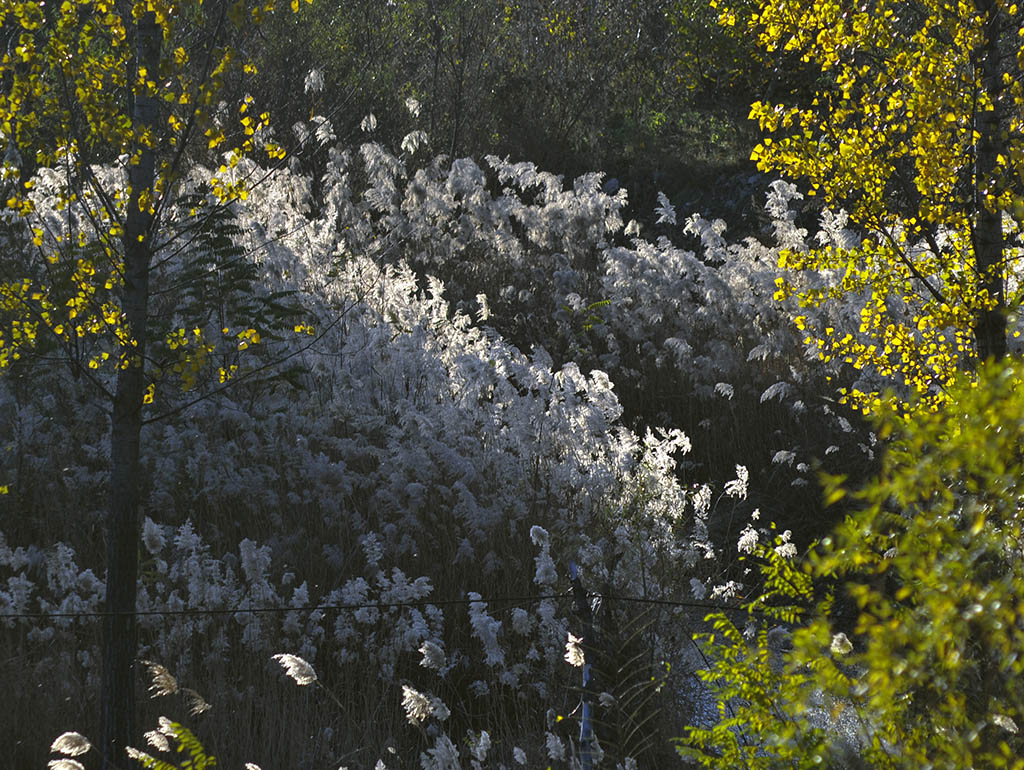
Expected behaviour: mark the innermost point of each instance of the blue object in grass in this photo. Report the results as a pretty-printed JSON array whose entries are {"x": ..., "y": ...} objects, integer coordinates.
[{"x": 586, "y": 724}]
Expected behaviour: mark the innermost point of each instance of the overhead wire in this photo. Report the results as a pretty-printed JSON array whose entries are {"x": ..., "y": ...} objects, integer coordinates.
[{"x": 353, "y": 607}]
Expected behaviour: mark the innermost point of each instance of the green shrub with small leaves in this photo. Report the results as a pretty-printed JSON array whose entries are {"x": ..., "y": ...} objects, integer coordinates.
[
  {"x": 896, "y": 642},
  {"x": 187, "y": 744}
]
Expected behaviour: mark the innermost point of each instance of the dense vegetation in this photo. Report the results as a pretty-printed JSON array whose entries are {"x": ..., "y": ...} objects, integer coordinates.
[{"x": 370, "y": 370}]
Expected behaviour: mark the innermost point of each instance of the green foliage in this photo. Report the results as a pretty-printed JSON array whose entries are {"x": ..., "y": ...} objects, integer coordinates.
[
  {"x": 621, "y": 85},
  {"x": 917, "y": 662},
  {"x": 760, "y": 704},
  {"x": 217, "y": 310},
  {"x": 187, "y": 744}
]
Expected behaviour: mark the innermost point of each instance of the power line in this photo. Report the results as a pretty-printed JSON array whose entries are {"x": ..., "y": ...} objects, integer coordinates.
[
  {"x": 514, "y": 600},
  {"x": 674, "y": 603},
  {"x": 276, "y": 610}
]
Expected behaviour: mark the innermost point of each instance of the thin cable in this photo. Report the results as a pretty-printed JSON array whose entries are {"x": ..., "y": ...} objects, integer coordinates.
[
  {"x": 367, "y": 605},
  {"x": 674, "y": 603},
  {"x": 272, "y": 610}
]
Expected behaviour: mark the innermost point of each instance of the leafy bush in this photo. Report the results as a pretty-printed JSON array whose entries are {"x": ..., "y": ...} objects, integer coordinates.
[{"x": 915, "y": 662}]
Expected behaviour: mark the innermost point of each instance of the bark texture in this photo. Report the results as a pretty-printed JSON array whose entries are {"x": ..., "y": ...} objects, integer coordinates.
[
  {"x": 990, "y": 326},
  {"x": 120, "y": 639}
]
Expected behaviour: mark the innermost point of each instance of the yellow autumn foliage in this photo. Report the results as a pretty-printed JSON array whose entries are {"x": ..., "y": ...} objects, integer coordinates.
[{"x": 916, "y": 130}]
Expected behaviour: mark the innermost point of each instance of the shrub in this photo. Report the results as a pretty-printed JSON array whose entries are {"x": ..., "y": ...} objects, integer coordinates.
[{"x": 912, "y": 658}]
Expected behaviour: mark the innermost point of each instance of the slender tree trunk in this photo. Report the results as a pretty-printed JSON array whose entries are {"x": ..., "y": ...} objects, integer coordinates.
[
  {"x": 435, "y": 30},
  {"x": 117, "y": 698},
  {"x": 990, "y": 328}
]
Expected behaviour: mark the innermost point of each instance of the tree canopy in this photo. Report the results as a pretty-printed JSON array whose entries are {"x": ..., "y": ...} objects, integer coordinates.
[
  {"x": 135, "y": 87},
  {"x": 916, "y": 130}
]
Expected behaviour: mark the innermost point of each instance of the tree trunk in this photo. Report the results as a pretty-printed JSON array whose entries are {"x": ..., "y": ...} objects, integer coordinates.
[
  {"x": 990, "y": 326},
  {"x": 117, "y": 697}
]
